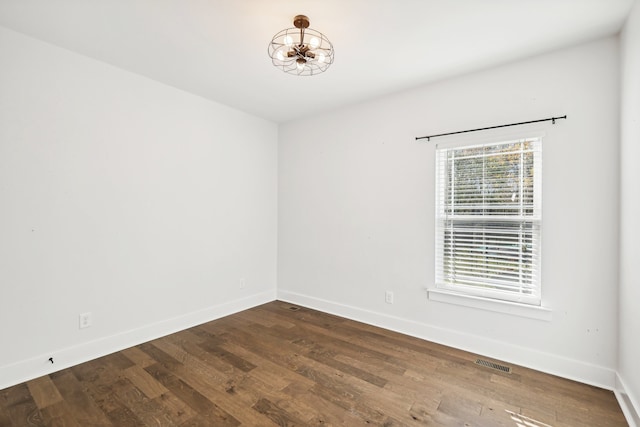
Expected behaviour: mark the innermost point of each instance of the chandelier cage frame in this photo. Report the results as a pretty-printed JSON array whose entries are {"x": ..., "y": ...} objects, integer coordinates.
[{"x": 301, "y": 50}]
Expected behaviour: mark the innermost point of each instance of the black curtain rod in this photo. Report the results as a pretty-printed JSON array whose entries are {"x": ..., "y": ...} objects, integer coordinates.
[{"x": 551, "y": 119}]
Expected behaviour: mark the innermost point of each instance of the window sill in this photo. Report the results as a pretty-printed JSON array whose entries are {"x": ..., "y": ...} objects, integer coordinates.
[{"x": 506, "y": 307}]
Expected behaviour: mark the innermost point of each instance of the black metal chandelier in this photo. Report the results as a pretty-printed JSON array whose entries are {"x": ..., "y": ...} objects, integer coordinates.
[{"x": 301, "y": 50}]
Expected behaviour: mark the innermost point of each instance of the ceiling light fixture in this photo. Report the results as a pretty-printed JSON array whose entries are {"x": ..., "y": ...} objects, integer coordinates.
[{"x": 301, "y": 50}]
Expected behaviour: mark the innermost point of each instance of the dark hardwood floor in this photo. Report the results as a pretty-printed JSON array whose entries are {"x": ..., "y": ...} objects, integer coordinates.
[{"x": 272, "y": 365}]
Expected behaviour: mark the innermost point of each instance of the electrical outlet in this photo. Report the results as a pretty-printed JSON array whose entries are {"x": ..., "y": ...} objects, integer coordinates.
[
  {"x": 243, "y": 283},
  {"x": 85, "y": 320},
  {"x": 388, "y": 297}
]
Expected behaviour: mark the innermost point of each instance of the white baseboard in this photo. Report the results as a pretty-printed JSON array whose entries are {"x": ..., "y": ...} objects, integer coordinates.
[
  {"x": 629, "y": 405},
  {"x": 35, "y": 367},
  {"x": 531, "y": 358}
]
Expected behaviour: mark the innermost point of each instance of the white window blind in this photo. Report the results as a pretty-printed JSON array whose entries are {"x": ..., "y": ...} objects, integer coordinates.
[{"x": 488, "y": 213}]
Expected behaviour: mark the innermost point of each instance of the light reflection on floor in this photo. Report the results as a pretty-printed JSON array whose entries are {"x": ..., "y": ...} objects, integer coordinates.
[{"x": 522, "y": 421}]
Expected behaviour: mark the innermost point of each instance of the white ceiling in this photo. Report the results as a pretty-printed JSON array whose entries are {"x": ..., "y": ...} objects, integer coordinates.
[{"x": 218, "y": 48}]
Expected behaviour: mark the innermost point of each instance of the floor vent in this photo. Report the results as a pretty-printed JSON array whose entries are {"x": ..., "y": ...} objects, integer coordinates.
[
  {"x": 492, "y": 365},
  {"x": 294, "y": 308}
]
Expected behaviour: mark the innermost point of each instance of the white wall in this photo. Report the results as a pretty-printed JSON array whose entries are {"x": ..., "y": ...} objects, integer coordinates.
[
  {"x": 146, "y": 205},
  {"x": 122, "y": 197},
  {"x": 629, "y": 338},
  {"x": 356, "y": 210}
]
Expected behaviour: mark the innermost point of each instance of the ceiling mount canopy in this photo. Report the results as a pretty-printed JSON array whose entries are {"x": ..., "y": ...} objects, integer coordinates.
[{"x": 301, "y": 50}]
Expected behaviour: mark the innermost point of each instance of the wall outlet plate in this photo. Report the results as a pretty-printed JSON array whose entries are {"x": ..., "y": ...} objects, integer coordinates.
[
  {"x": 85, "y": 320},
  {"x": 388, "y": 297}
]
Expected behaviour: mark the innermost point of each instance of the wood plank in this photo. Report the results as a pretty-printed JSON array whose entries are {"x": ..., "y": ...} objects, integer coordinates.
[
  {"x": 19, "y": 408},
  {"x": 59, "y": 415},
  {"x": 44, "y": 392},
  {"x": 276, "y": 414},
  {"x": 85, "y": 410},
  {"x": 210, "y": 383},
  {"x": 138, "y": 357},
  {"x": 123, "y": 416},
  {"x": 191, "y": 397},
  {"x": 144, "y": 382}
]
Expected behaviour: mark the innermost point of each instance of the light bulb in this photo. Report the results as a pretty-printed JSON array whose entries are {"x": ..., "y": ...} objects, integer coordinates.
[
  {"x": 300, "y": 64},
  {"x": 321, "y": 58},
  {"x": 314, "y": 42},
  {"x": 288, "y": 40},
  {"x": 280, "y": 56}
]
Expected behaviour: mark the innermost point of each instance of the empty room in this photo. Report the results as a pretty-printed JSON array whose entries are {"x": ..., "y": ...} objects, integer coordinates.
[{"x": 298, "y": 213}]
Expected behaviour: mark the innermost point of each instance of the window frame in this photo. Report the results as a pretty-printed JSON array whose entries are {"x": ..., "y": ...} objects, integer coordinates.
[{"x": 445, "y": 285}]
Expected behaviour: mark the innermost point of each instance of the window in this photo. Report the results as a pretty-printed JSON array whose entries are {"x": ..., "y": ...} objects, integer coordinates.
[{"x": 488, "y": 213}]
